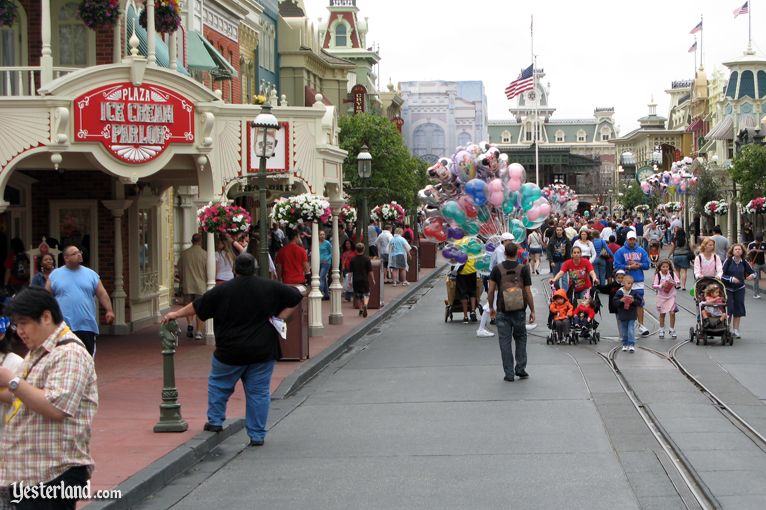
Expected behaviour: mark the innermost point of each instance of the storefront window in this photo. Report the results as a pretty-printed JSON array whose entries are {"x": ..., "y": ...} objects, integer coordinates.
[{"x": 73, "y": 37}]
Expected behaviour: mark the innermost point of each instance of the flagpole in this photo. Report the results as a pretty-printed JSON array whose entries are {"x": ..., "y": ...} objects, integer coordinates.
[
  {"x": 749, "y": 18},
  {"x": 534, "y": 85},
  {"x": 695, "y": 53},
  {"x": 702, "y": 31}
]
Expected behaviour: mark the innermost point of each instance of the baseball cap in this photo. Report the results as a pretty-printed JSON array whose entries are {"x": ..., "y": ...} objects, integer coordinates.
[
  {"x": 631, "y": 235},
  {"x": 507, "y": 236}
]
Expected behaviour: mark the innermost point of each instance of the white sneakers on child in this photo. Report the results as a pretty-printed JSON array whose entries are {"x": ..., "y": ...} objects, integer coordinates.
[
  {"x": 661, "y": 333},
  {"x": 673, "y": 334},
  {"x": 624, "y": 348},
  {"x": 484, "y": 333},
  {"x": 643, "y": 330},
  {"x": 736, "y": 334},
  {"x": 631, "y": 348}
]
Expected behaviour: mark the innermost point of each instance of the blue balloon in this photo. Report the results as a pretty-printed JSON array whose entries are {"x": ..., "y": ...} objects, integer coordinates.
[
  {"x": 455, "y": 233},
  {"x": 477, "y": 190}
]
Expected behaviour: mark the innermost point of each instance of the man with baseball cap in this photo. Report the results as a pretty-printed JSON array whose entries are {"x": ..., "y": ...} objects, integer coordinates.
[
  {"x": 498, "y": 257},
  {"x": 634, "y": 260}
]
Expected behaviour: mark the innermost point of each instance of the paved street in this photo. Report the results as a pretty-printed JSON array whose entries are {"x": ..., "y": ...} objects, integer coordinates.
[{"x": 417, "y": 415}]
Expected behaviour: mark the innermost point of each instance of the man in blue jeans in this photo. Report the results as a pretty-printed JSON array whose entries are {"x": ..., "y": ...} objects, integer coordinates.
[
  {"x": 511, "y": 324},
  {"x": 246, "y": 312}
]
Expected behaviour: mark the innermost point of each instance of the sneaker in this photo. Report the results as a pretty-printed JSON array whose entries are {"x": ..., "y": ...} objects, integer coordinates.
[
  {"x": 673, "y": 334},
  {"x": 465, "y": 320},
  {"x": 624, "y": 348},
  {"x": 364, "y": 312},
  {"x": 661, "y": 334},
  {"x": 190, "y": 331},
  {"x": 631, "y": 348},
  {"x": 473, "y": 317},
  {"x": 256, "y": 442},
  {"x": 483, "y": 333},
  {"x": 643, "y": 330},
  {"x": 757, "y": 296},
  {"x": 736, "y": 334},
  {"x": 212, "y": 428},
  {"x": 199, "y": 336},
  {"x": 508, "y": 379},
  {"x": 522, "y": 374}
]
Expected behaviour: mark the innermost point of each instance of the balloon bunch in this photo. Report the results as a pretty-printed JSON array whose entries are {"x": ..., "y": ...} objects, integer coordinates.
[
  {"x": 474, "y": 197},
  {"x": 669, "y": 184},
  {"x": 562, "y": 198}
]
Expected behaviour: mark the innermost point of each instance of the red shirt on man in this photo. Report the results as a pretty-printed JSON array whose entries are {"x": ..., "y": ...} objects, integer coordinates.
[{"x": 292, "y": 259}]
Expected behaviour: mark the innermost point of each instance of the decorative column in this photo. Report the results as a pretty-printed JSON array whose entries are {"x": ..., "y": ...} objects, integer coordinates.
[
  {"x": 336, "y": 287},
  {"x": 46, "y": 58},
  {"x": 117, "y": 37},
  {"x": 173, "y": 51},
  {"x": 151, "y": 43},
  {"x": 315, "y": 296},
  {"x": 210, "y": 239},
  {"x": 118, "y": 208}
]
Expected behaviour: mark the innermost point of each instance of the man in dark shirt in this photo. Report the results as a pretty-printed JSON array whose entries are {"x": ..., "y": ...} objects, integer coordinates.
[
  {"x": 244, "y": 310},
  {"x": 511, "y": 324},
  {"x": 362, "y": 278},
  {"x": 756, "y": 255}
]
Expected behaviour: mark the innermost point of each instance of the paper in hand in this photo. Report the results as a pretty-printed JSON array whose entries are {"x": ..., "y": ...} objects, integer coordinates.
[{"x": 280, "y": 325}]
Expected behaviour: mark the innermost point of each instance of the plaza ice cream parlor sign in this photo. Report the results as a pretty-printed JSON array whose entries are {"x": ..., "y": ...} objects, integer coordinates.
[{"x": 134, "y": 123}]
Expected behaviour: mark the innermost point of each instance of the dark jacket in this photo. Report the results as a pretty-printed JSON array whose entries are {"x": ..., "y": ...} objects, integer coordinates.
[
  {"x": 631, "y": 313},
  {"x": 557, "y": 246}
]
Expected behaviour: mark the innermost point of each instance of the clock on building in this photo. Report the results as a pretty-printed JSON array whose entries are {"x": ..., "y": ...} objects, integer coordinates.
[
  {"x": 644, "y": 173},
  {"x": 531, "y": 95}
]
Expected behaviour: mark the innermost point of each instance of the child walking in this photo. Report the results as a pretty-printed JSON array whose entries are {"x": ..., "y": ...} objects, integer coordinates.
[
  {"x": 666, "y": 283},
  {"x": 627, "y": 301}
]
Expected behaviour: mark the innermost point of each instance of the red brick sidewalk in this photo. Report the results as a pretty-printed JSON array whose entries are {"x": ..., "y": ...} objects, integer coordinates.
[{"x": 129, "y": 370}]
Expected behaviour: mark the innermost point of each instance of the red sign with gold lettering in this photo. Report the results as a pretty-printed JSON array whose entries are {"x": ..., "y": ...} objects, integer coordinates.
[
  {"x": 135, "y": 123},
  {"x": 359, "y": 97}
]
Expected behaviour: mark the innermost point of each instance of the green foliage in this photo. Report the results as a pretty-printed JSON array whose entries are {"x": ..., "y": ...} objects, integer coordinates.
[
  {"x": 396, "y": 175},
  {"x": 749, "y": 172},
  {"x": 632, "y": 196},
  {"x": 709, "y": 187}
]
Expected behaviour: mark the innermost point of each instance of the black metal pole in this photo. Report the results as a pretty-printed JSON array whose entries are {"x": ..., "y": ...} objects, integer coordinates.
[
  {"x": 365, "y": 223},
  {"x": 263, "y": 247}
]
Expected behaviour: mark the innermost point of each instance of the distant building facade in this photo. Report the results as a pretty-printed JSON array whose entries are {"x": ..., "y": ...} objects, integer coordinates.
[{"x": 441, "y": 115}]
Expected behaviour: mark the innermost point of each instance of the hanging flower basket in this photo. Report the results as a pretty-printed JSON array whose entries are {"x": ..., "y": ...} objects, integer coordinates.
[
  {"x": 716, "y": 208},
  {"x": 391, "y": 211},
  {"x": 672, "y": 206},
  {"x": 347, "y": 214},
  {"x": 641, "y": 208},
  {"x": 223, "y": 219},
  {"x": 300, "y": 209},
  {"x": 8, "y": 13},
  {"x": 756, "y": 206},
  {"x": 167, "y": 16},
  {"x": 99, "y": 13}
]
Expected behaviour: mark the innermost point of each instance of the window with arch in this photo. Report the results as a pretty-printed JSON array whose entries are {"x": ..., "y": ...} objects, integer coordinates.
[
  {"x": 429, "y": 139},
  {"x": 731, "y": 89},
  {"x": 747, "y": 85},
  {"x": 581, "y": 136},
  {"x": 761, "y": 83},
  {"x": 463, "y": 139},
  {"x": 72, "y": 46},
  {"x": 505, "y": 137},
  {"x": 606, "y": 133},
  {"x": 341, "y": 35},
  {"x": 561, "y": 137}
]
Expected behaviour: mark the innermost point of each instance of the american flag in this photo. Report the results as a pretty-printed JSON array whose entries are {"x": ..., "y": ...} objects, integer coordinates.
[
  {"x": 697, "y": 28},
  {"x": 693, "y": 47},
  {"x": 742, "y": 10},
  {"x": 524, "y": 82}
]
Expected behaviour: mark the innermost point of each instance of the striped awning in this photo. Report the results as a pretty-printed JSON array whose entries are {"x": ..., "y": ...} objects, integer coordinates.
[
  {"x": 204, "y": 57},
  {"x": 747, "y": 122},
  {"x": 724, "y": 130},
  {"x": 695, "y": 125}
]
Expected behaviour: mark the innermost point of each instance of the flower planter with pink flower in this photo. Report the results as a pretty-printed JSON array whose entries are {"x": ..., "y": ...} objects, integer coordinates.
[
  {"x": 223, "y": 219},
  {"x": 756, "y": 206},
  {"x": 167, "y": 16},
  {"x": 716, "y": 208},
  {"x": 99, "y": 13},
  {"x": 300, "y": 209},
  {"x": 390, "y": 212}
]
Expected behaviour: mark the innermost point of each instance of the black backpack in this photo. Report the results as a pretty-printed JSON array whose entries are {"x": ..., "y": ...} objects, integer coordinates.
[
  {"x": 622, "y": 234},
  {"x": 20, "y": 268}
]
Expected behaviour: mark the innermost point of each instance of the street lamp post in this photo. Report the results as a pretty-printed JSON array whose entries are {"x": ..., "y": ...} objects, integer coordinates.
[
  {"x": 266, "y": 127},
  {"x": 364, "y": 171},
  {"x": 686, "y": 176}
]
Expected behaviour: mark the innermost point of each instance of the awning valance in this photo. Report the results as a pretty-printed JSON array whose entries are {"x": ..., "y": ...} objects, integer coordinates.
[
  {"x": 204, "y": 57},
  {"x": 695, "y": 125},
  {"x": 724, "y": 130}
]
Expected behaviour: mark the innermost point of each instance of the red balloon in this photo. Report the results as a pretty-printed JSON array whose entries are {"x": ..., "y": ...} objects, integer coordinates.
[
  {"x": 487, "y": 229},
  {"x": 441, "y": 236},
  {"x": 467, "y": 205}
]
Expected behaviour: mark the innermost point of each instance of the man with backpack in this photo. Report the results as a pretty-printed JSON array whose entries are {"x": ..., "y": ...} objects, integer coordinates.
[{"x": 513, "y": 284}]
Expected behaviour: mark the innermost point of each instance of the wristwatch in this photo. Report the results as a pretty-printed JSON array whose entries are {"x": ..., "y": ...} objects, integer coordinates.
[{"x": 13, "y": 384}]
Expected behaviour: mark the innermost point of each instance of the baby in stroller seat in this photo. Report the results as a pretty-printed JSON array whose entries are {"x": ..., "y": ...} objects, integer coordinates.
[
  {"x": 583, "y": 315},
  {"x": 713, "y": 307},
  {"x": 561, "y": 312}
]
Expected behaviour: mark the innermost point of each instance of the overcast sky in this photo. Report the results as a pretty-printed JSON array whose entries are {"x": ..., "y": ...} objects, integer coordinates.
[{"x": 595, "y": 53}]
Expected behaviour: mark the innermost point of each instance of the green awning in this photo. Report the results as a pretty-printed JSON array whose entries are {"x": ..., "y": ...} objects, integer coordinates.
[
  {"x": 161, "y": 52},
  {"x": 203, "y": 56}
]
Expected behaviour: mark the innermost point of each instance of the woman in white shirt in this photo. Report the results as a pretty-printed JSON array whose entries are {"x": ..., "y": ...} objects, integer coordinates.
[
  {"x": 586, "y": 245},
  {"x": 224, "y": 261},
  {"x": 535, "y": 244}
]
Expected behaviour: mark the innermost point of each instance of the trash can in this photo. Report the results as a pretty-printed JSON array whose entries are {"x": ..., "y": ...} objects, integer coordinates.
[
  {"x": 376, "y": 290},
  {"x": 296, "y": 346},
  {"x": 412, "y": 271},
  {"x": 427, "y": 254}
]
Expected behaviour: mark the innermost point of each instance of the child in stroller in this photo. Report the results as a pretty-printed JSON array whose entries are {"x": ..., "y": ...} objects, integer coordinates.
[
  {"x": 561, "y": 313},
  {"x": 712, "y": 317},
  {"x": 584, "y": 322},
  {"x": 654, "y": 252}
]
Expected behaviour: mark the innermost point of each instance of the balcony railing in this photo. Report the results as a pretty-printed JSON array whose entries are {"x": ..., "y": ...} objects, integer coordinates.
[{"x": 23, "y": 81}]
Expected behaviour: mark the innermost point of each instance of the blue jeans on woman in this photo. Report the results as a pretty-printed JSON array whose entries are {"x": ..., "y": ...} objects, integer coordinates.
[
  {"x": 627, "y": 332},
  {"x": 324, "y": 271},
  {"x": 599, "y": 266},
  {"x": 256, "y": 380}
]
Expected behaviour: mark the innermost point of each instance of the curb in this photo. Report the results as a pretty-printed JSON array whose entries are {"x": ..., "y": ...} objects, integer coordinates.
[
  {"x": 161, "y": 472},
  {"x": 298, "y": 378}
]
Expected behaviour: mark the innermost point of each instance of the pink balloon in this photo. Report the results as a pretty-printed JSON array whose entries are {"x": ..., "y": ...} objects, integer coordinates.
[
  {"x": 516, "y": 171},
  {"x": 514, "y": 184},
  {"x": 495, "y": 185},
  {"x": 545, "y": 209},
  {"x": 496, "y": 198},
  {"x": 533, "y": 213}
]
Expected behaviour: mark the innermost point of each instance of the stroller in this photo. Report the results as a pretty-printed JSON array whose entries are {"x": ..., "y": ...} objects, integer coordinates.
[
  {"x": 453, "y": 305},
  {"x": 711, "y": 327},
  {"x": 654, "y": 252},
  {"x": 577, "y": 332}
]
